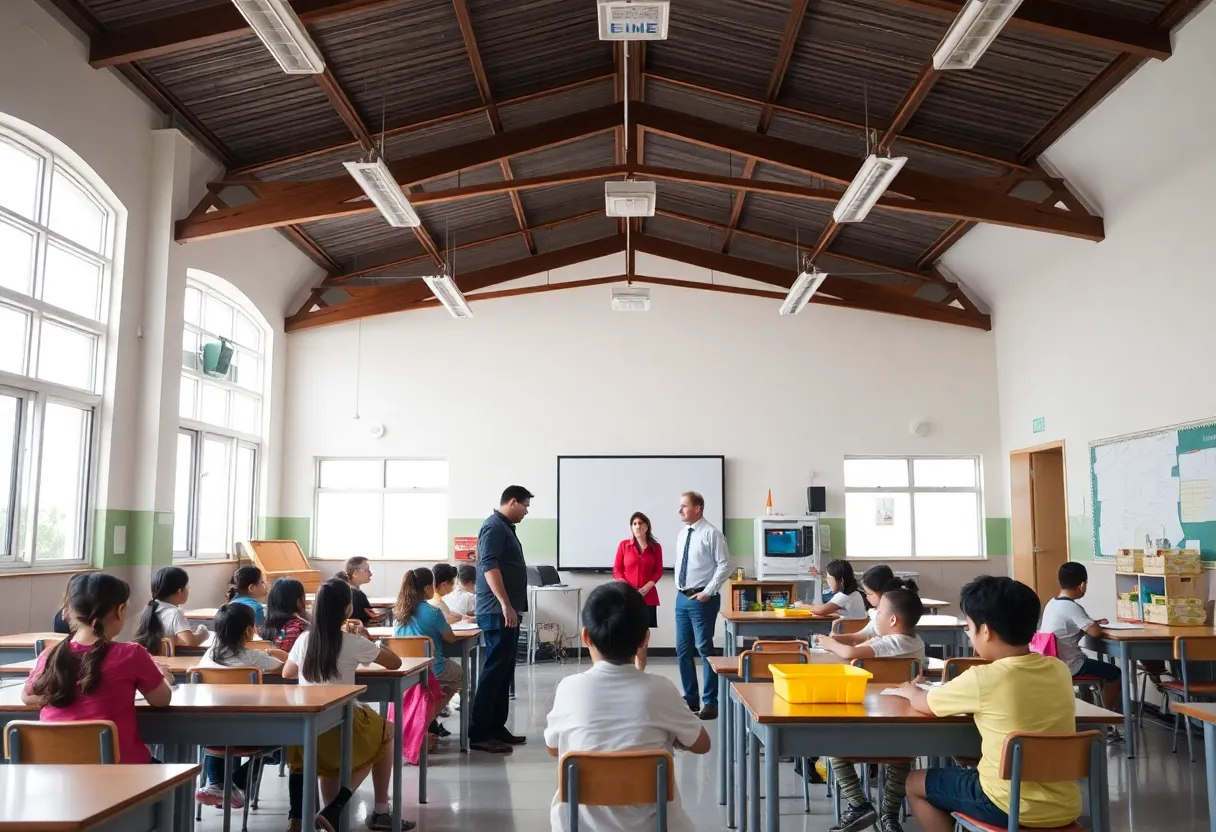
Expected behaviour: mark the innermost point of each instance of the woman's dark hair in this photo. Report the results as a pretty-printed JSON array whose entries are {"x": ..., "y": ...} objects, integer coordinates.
[
  {"x": 92, "y": 597},
  {"x": 466, "y": 573},
  {"x": 232, "y": 621},
  {"x": 167, "y": 583},
  {"x": 242, "y": 579},
  {"x": 325, "y": 639},
  {"x": 842, "y": 571},
  {"x": 282, "y": 605},
  {"x": 443, "y": 572},
  {"x": 637, "y": 515},
  {"x": 616, "y": 621},
  {"x": 876, "y": 578},
  {"x": 413, "y": 592}
]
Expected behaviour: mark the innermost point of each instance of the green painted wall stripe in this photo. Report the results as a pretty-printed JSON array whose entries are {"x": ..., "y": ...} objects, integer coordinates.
[
  {"x": 149, "y": 538},
  {"x": 999, "y": 532},
  {"x": 1080, "y": 539}
]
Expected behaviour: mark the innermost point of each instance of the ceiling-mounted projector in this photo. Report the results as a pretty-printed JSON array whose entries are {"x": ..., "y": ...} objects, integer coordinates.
[
  {"x": 630, "y": 299},
  {"x": 633, "y": 19},
  {"x": 629, "y": 199}
]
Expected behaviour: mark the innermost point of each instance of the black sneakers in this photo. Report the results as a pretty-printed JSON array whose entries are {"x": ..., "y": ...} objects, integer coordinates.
[
  {"x": 855, "y": 818},
  {"x": 889, "y": 823}
]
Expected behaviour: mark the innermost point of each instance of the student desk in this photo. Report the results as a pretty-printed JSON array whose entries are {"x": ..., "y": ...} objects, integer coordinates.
[
  {"x": 383, "y": 686},
  {"x": 237, "y": 715},
  {"x": 935, "y": 630},
  {"x": 202, "y": 615},
  {"x": 1151, "y": 641},
  {"x": 467, "y": 648},
  {"x": 1205, "y": 712},
  {"x": 880, "y": 726},
  {"x": 20, "y": 646},
  {"x": 933, "y": 606},
  {"x": 98, "y": 798}
]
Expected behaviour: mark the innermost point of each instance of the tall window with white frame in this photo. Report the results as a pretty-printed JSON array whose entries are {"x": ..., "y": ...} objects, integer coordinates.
[
  {"x": 386, "y": 509},
  {"x": 57, "y": 239},
  {"x": 921, "y": 506},
  {"x": 219, "y": 443}
]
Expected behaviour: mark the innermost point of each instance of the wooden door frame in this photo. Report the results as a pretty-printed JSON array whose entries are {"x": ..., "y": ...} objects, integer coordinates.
[{"x": 1028, "y": 453}]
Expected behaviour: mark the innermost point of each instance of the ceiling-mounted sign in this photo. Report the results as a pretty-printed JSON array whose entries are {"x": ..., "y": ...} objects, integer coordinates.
[{"x": 628, "y": 20}]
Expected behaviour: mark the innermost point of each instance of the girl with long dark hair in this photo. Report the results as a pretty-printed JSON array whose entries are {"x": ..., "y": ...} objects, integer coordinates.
[
  {"x": 248, "y": 587},
  {"x": 847, "y": 600},
  {"x": 286, "y": 613},
  {"x": 639, "y": 563},
  {"x": 163, "y": 617},
  {"x": 416, "y": 617}
]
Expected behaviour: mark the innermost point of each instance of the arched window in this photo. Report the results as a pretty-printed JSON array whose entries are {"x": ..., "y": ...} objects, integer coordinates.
[
  {"x": 57, "y": 242},
  {"x": 225, "y": 343}
]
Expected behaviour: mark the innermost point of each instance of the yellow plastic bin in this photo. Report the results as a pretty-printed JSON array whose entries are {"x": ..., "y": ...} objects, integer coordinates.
[
  {"x": 792, "y": 612},
  {"x": 820, "y": 684}
]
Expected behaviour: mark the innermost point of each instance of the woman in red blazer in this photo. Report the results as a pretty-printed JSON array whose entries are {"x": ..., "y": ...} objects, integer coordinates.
[{"x": 639, "y": 563}]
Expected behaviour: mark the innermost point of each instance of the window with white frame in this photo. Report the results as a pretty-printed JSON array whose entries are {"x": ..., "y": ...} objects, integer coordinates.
[
  {"x": 57, "y": 239},
  {"x": 388, "y": 509},
  {"x": 221, "y": 408},
  {"x": 921, "y": 506}
]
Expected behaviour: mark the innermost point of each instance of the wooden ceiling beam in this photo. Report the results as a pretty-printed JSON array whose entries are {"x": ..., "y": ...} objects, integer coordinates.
[
  {"x": 388, "y": 299},
  {"x": 924, "y": 193},
  {"x": 205, "y": 27},
  {"x": 341, "y": 195},
  {"x": 1055, "y": 19}
]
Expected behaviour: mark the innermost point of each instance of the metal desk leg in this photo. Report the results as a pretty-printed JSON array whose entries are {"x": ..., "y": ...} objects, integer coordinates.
[
  {"x": 397, "y": 686},
  {"x": 165, "y": 808},
  {"x": 465, "y": 703},
  {"x": 740, "y": 727},
  {"x": 1209, "y": 756},
  {"x": 724, "y": 709},
  {"x": 308, "y": 799},
  {"x": 531, "y": 626},
  {"x": 772, "y": 804},
  {"x": 730, "y": 647},
  {"x": 578, "y": 619},
  {"x": 753, "y": 780},
  {"x": 731, "y": 717},
  {"x": 348, "y": 734},
  {"x": 424, "y": 679},
  {"x": 1126, "y": 664}
]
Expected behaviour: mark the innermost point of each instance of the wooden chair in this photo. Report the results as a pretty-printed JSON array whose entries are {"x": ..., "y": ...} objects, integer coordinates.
[
  {"x": 44, "y": 644},
  {"x": 617, "y": 778},
  {"x": 1190, "y": 649},
  {"x": 257, "y": 755},
  {"x": 890, "y": 671},
  {"x": 1045, "y": 758},
  {"x": 848, "y": 626},
  {"x": 781, "y": 646},
  {"x": 955, "y": 667},
  {"x": 410, "y": 647},
  {"x": 167, "y": 647},
  {"x": 61, "y": 743},
  {"x": 758, "y": 664}
]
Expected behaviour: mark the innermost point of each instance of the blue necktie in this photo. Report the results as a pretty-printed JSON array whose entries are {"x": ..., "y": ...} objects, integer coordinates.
[{"x": 684, "y": 562}]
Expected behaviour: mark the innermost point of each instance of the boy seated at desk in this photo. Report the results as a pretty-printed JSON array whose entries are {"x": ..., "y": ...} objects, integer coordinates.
[
  {"x": 1067, "y": 620},
  {"x": 616, "y": 707},
  {"x": 1018, "y": 691},
  {"x": 891, "y": 634}
]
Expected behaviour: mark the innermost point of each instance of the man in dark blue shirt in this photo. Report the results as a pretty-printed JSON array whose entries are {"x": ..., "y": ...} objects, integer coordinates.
[{"x": 502, "y": 594}]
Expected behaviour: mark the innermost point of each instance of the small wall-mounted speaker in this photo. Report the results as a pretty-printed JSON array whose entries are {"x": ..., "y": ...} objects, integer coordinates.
[{"x": 816, "y": 499}]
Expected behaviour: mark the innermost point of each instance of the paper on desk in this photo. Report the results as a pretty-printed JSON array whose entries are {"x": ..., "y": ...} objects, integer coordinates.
[
  {"x": 1121, "y": 625},
  {"x": 922, "y": 685},
  {"x": 464, "y": 625}
]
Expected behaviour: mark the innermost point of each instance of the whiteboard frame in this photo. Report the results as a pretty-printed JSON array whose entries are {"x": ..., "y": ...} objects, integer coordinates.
[{"x": 670, "y": 569}]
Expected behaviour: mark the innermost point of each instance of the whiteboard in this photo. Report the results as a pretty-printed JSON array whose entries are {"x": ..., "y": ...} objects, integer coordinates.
[{"x": 596, "y": 495}]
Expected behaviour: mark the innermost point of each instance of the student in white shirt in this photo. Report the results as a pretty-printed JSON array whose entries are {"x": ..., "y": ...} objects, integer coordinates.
[
  {"x": 1067, "y": 620},
  {"x": 616, "y": 707},
  {"x": 445, "y": 579},
  {"x": 462, "y": 600},
  {"x": 847, "y": 600},
  {"x": 163, "y": 618},
  {"x": 702, "y": 561},
  {"x": 899, "y": 610}
]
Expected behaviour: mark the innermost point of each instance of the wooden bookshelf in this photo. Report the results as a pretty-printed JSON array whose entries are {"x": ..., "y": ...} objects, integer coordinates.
[{"x": 759, "y": 592}]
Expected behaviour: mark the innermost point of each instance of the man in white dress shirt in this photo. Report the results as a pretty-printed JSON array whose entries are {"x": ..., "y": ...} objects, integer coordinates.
[{"x": 702, "y": 561}]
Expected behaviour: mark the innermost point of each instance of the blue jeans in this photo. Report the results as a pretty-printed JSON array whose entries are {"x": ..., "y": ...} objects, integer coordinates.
[
  {"x": 492, "y": 704},
  {"x": 1105, "y": 672},
  {"x": 958, "y": 790},
  {"x": 695, "y": 623},
  {"x": 214, "y": 766}
]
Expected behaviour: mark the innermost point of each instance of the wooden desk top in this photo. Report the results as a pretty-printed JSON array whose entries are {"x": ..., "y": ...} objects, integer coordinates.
[
  {"x": 372, "y": 601},
  {"x": 730, "y": 665},
  {"x": 201, "y": 614},
  {"x": 26, "y": 639},
  {"x": 69, "y": 798},
  {"x": 1156, "y": 632},
  {"x": 182, "y": 665},
  {"x": 768, "y": 708},
  {"x": 388, "y": 632},
  {"x": 748, "y": 615},
  {"x": 231, "y": 698},
  {"x": 933, "y": 602},
  {"x": 1202, "y": 711}
]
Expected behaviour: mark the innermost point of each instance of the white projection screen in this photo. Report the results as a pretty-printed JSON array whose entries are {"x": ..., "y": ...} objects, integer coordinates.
[{"x": 597, "y": 494}]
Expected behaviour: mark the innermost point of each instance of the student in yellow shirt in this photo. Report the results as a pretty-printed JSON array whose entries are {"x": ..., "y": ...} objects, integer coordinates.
[{"x": 1018, "y": 691}]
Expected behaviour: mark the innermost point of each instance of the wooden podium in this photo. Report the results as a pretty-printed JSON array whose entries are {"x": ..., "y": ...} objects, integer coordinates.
[{"x": 283, "y": 559}]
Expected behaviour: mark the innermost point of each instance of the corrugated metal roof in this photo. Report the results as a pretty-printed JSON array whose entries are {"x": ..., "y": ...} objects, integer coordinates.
[
  {"x": 118, "y": 14},
  {"x": 491, "y": 254},
  {"x": 549, "y": 107},
  {"x": 463, "y": 178},
  {"x": 688, "y": 233},
  {"x": 897, "y": 239},
  {"x": 762, "y": 251},
  {"x": 1139, "y": 10},
  {"x": 784, "y": 218},
  {"x": 700, "y": 201},
  {"x": 476, "y": 218},
  {"x": 363, "y": 240},
  {"x": 719, "y": 108},
  {"x": 591, "y": 152},
  {"x": 572, "y": 233},
  {"x": 664, "y": 151},
  {"x": 557, "y": 202}
]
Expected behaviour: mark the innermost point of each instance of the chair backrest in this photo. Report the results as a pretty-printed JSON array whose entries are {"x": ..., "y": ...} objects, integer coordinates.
[
  {"x": 226, "y": 676},
  {"x": 61, "y": 743},
  {"x": 1049, "y": 758},
  {"x": 753, "y": 665},
  {"x": 167, "y": 647},
  {"x": 781, "y": 646},
  {"x": 890, "y": 670},
  {"x": 616, "y": 778},
  {"x": 1045, "y": 645},
  {"x": 848, "y": 626},
  {"x": 44, "y": 644},
  {"x": 1195, "y": 648},
  {"x": 410, "y": 647},
  {"x": 955, "y": 667}
]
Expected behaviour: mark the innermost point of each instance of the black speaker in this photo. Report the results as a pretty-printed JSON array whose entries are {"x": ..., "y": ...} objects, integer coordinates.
[{"x": 816, "y": 499}]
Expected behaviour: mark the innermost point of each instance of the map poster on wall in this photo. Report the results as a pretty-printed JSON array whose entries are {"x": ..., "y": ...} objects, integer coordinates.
[
  {"x": 1160, "y": 484},
  {"x": 464, "y": 548}
]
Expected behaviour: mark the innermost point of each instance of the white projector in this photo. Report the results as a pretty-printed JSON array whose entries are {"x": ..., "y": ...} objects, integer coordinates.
[
  {"x": 630, "y": 299},
  {"x": 629, "y": 199},
  {"x": 633, "y": 19}
]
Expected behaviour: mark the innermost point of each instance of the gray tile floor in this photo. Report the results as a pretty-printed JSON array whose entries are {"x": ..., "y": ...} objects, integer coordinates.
[{"x": 489, "y": 793}]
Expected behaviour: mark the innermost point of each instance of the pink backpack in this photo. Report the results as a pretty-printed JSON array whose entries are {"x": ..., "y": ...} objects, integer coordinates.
[{"x": 1045, "y": 645}]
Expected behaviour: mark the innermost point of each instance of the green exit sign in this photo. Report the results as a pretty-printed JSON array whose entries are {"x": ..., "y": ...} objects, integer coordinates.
[{"x": 1039, "y": 425}]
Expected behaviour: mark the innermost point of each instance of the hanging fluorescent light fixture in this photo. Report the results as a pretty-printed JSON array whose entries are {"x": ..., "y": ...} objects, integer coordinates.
[
  {"x": 449, "y": 295},
  {"x": 802, "y": 291},
  {"x": 973, "y": 31},
  {"x": 381, "y": 188},
  {"x": 280, "y": 30},
  {"x": 870, "y": 183}
]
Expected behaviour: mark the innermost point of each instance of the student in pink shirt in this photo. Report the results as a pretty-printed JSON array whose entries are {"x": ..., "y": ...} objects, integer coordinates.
[{"x": 91, "y": 676}]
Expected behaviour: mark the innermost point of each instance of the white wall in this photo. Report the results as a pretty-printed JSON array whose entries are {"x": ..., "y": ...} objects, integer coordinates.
[
  {"x": 1108, "y": 338},
  {"x": 529, "y": 378}
]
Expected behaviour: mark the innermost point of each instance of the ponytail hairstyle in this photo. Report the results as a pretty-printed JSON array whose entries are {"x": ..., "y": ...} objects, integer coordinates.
[
  {"x": 329, "y": 613},
  {"x": 876, "y": 578},
  {"x": 842, "y": 571},
  {"x": 901, "y": 583},
  {"x": 242, "y": 579},
  {"x": 282, "y": 605},
  {"x": 232, "y": 621},
  {"x": 443, "y": 572},
  {"x": 93, "y": 597},
  {"x": 413, "y": 592},
  {"x": 167, "y": 583}
]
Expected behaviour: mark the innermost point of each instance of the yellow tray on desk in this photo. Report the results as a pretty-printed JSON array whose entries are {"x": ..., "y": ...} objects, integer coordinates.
[
  {"x": 793, "y": 612},
  {"x": 820, "y": 684}
]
